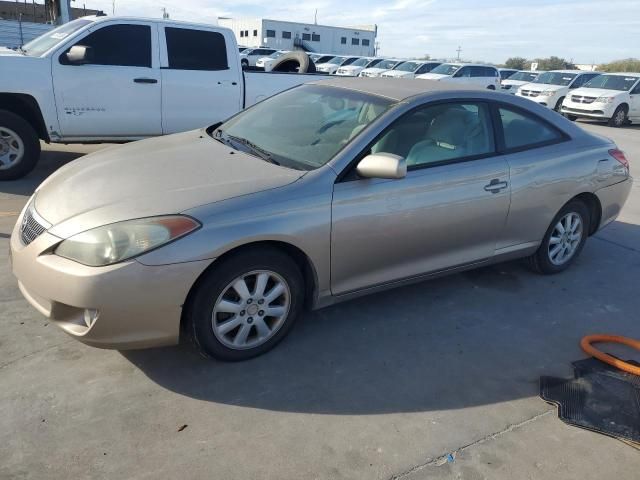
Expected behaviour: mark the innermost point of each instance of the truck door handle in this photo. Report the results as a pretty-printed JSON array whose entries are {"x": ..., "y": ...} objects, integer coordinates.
[
  {"x": 145, "y": 80},
  {"x": 495, "y": 186}
]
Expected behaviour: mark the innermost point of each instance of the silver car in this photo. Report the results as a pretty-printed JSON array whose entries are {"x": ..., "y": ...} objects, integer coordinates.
[{"x": 325, "y": 192}]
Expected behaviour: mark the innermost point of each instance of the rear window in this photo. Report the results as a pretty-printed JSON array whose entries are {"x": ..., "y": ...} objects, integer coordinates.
[{"x": 190, "y": 49}]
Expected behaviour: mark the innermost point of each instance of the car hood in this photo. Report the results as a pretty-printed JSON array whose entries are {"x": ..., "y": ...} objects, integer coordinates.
[
  {"x": 374, "y": 70},
  {"x": 514, "y": 82},
  {"x": 541, "y": 87},
  {"x": 6, "y": 52},
  {"x": 159, "y": 176},
  {"x": 596, "y": 92},
  {"x": 433, "y": 76},
  {"x": 397, "y": 74}
]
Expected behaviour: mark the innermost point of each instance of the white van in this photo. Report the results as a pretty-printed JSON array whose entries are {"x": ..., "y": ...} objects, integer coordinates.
[
  {"x": 358, "y": 66},
  {"x": 410, "y": 69},
  {"x": 485, "y": 76},
  {"x": 551, "y": 88},
  {"x": 332, "y": 65},
  {"x": 515, "y": 81},
  {"x": 614, "y": 97},
  {"x": 380, "y": 68}
]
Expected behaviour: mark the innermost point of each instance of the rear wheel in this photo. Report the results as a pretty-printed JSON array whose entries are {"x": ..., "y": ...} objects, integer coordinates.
[
  {"x": 19, "y": 146},
  {"x": 619, "y": 117},
  {"x": 246, "y": 305},
  {"x": 563, "y": 241}
]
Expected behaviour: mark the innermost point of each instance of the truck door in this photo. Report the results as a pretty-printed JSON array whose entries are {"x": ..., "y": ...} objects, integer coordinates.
[
  {"x": 201, "y": 81},
  {"x": 114, "y": 91}
]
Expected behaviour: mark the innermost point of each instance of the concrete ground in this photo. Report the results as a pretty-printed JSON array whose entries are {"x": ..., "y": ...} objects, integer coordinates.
[{"x": 437, "y": 380}]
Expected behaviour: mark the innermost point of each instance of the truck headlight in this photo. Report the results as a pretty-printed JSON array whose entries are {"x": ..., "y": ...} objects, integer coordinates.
[{"x": 121, "y": 241}]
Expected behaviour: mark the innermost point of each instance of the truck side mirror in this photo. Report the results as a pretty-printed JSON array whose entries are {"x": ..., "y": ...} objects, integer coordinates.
[{"x": 79, "y": 55}]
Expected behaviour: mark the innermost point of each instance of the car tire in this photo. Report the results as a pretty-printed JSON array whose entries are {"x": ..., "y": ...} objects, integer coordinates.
[
  {"x": 215, "y": 330},
  {"x": 491, "y": 87},
  {"x": 544, "y": 261},
  {"x": 568, "y": 116},
  {"x": 619, "y": 118},
  {"x": 558, "y": 107},
  {"x": 244, "y": 63},
  {"x": 19, "y": 146},
  {"x": 294, "y": 62}
]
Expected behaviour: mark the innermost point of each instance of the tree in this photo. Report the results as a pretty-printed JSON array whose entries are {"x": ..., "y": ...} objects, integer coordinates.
[
  {"x": 554, "y": 63},
  {"x": 517, "y": 63},
  {"x": 626, "y": 65}
]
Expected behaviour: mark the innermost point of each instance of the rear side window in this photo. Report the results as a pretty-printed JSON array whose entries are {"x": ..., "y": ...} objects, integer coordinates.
[
  {"x": 189, "y": 49},
  {"x": 118, "y": 45},
  {"x": 522, "y": 131}
]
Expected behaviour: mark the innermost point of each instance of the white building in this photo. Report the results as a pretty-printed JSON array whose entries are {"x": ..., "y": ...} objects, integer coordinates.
[{"x": 256, "y": 32}]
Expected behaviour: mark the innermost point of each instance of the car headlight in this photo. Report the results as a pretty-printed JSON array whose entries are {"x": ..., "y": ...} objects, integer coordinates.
[
  {"x": 121, "y": 241},
  {"x": 604, "y": 100},
  {"x": 547, "y": 93}
]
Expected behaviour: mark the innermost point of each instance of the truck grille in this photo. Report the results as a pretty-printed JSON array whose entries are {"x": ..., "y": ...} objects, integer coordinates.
[
  {"x": 580, "y": 99},
  {"x": 530, "y": 93},
  {"x": 32, "y": 225}
]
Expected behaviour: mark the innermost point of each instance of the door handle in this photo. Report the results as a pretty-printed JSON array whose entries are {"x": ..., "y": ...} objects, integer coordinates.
[
  {"x": 495, "y": 186},
  {"x": 145, "y": 80}
]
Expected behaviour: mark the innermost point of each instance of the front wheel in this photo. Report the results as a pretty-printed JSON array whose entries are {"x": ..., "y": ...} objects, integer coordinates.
[
  {"x": 19, "y": 146},
  {"x": 558, "y": 107},
  {"x": 619, "y": 117},
  {"x": 563, "y": 241},
  {"x": 243, "y": 307}
]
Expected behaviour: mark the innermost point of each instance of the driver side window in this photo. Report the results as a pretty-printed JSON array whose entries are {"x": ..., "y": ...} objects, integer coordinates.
[{"x": 439, "y": 133}]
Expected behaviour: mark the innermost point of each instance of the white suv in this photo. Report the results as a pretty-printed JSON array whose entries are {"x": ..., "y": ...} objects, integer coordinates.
[
  {"x": 249, "y": 56},
  {"x": 551, "y": 88},
  {"x": 614, "y": 97},
  {"x": 356, "y": 67},
  {"x": 470, "y": 74},
  {"x": 410, "y": 69},
  {"x": 515, "y": 81},
  {"x": 380, "y": 68}
]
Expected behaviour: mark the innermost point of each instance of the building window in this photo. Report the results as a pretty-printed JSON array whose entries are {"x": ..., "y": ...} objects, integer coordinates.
[
  {"x": 246, "y": 33},
  {"x": 365, "y": 42},
  {"x": 271, "y": 34},
  {"x": 355, "y": 41},
  {"x": 241, "y": 33},
  {"x": 306, "y": 36},
  {"x": 255, "y": 33},
  {"x": 343, "y": 40},
  {"x": 286, "y": 34},
  {"x": 315, "y": 37}
]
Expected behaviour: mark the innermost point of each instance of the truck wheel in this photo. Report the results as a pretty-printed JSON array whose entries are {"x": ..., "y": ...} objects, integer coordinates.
[
  {"x": 559, "y": 105},
  {"x": 19, "y": 146},
  {"x": 619, "y": 117},
  {"x": 573, "y": 118},
  {"x": 244, "y": 63},
  {"x": 294, "y": 62}
]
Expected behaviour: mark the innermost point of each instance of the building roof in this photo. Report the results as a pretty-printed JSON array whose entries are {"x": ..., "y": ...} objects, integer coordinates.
[{"x": 394, "y": 88}]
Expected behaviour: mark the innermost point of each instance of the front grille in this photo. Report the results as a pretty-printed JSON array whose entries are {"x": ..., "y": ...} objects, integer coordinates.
[
  {"x": 32, "y": 226},
  {"x": 581, "y": 99},
  {"x": 530, "y": 93}
]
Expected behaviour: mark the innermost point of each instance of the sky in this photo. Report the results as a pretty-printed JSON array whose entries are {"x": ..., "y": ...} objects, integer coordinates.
[{"x": 585, "y": 31}]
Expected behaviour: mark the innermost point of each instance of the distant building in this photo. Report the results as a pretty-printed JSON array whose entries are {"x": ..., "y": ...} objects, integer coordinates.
[
  {"x": 283, "y": 35},
  {"x": 37, "y": 12}
]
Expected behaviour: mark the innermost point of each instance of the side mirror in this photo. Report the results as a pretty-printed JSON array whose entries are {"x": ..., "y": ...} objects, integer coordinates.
[
  {"x": 79, "y": 55},
  {"x": 382, "y": 165}
]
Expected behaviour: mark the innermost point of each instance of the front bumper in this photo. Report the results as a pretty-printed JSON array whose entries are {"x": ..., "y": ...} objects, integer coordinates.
[
  {"x": 122, "y": 306},
  {"x": 592, "y": 110}
]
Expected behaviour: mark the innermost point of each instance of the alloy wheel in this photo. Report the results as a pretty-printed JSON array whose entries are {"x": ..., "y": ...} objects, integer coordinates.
[
  {"x": 565, "y": 238},
  {"x": 251, "y": 309},
  {"x": 11, "y": 148}
]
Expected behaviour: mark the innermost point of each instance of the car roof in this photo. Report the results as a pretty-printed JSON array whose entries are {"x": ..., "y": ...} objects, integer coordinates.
[
  {"x": 393, "y": 88},
  {"x": 626, "y": 74},
  {"x": 569, "y": 71}
]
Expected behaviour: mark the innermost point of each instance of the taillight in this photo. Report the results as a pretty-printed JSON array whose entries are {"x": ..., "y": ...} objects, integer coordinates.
[{"x": 619, "y": 156}]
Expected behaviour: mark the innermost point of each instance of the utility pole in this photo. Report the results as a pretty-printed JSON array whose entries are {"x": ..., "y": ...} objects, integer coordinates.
[
  {"x": 315, "y": 17},
  {"x": 459, "y": 50},
  {"x": 165, "y": 14}
]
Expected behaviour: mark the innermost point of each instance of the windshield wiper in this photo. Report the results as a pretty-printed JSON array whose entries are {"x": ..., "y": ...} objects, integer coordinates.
[{"x": 252, "y": 147}]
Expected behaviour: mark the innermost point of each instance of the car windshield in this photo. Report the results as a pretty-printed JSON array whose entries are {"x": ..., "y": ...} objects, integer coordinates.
[
  {"x": 336, "y": 60},
  {"x": 387, "y": 64},
  {"x": 361, "y": 62},
  {"x": 47, "y": 41},
  {"x": 446, "y": 69},
  {"x": 407, "y": 66},
  {"x": 524, "y": 76},
  {"x": 555, "y": 78},
  {"x": 302, "y": 128},
  {"x": 612, "y": 82}
]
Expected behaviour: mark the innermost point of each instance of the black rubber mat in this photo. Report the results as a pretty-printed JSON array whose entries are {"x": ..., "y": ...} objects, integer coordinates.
[{"x": 600, "y": 398}]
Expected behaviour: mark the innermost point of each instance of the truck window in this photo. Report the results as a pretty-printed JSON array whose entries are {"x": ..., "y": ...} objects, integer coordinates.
[
  {"x": 121, "y": 45},
  {"x": 190, "y": 49}
]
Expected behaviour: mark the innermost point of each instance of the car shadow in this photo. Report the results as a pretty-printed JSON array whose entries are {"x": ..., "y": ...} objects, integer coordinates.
[{"x": 476, "y": 338}]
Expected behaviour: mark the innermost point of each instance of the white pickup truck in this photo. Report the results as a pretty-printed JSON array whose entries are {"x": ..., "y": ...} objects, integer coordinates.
[{"x": 116, "y": 79}]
